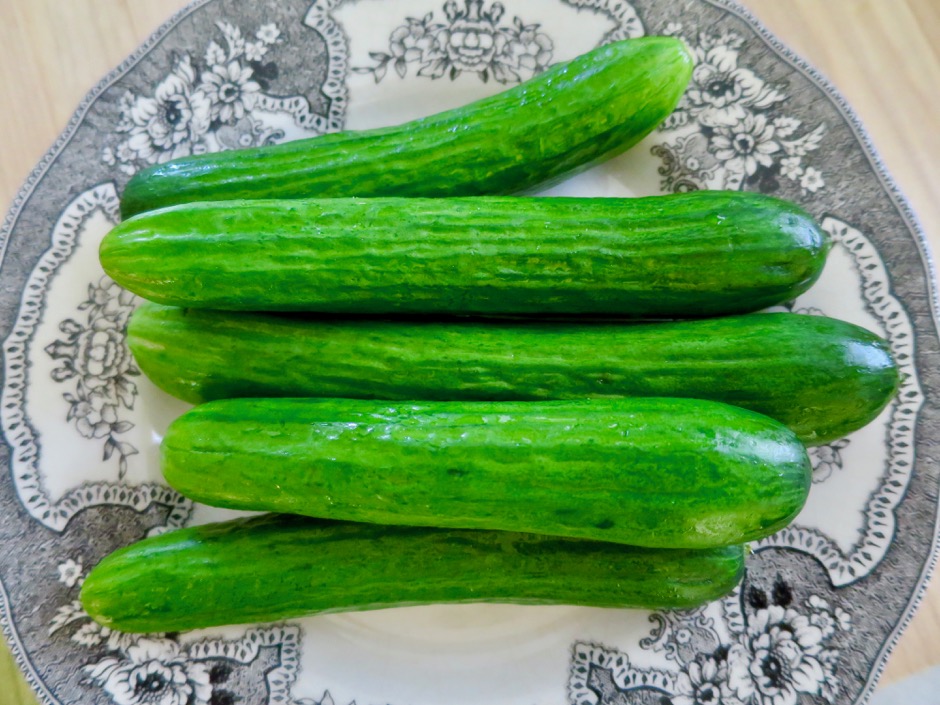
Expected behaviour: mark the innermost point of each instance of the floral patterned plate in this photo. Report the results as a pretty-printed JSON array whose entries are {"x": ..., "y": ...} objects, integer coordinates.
[{"x": 823, "y": 601}]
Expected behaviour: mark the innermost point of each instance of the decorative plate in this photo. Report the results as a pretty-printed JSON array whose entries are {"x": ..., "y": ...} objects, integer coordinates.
[{"x": 823, "y": 601}]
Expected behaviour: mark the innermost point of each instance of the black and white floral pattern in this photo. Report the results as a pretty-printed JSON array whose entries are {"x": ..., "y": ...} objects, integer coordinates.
[
  {"x": 705, "y": 682},
  {"x": 153, "y": 671},
  {"x": 202, "y": 105},
  {"x": 776, "y": 652},
  {"x": 778, "y": 658},
  {"x": 139, "y": 670},
  {"x": 94, "y": 360},
  {"x": 232, "y": 74},
  {"x": 470, "y": 39},
  {"x": 827, "y": 458},
  {"x": 729, "y": 131},
  {"x": 158, "y": 669}
]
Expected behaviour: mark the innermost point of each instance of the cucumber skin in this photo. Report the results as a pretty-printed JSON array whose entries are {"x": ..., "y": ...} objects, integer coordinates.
[
  {"x": 660, "y": 473},
  {"x": 280, "y": 567},
  {"x": 565, "y": 119},
  {"x": 679, "y": 256},
  {"x": 821, "y": 377}
]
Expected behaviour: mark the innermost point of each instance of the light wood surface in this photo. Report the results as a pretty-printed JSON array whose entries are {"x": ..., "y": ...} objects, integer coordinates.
[{"x": 883, "y": 55}]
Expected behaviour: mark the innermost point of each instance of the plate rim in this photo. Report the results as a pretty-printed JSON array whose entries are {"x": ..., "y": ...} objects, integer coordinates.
[
  {"x": 771, "y": 40},
  {"x": 7, "y": 628},
  {"x": 909, "y": 216}
]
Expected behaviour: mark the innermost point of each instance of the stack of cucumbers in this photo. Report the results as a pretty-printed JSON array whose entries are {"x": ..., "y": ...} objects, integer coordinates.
[{"x": 439, "y": 390}]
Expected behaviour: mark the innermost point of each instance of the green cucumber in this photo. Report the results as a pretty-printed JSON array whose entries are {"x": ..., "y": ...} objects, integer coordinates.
[
  {"x": 661, "y": 473},
  {"x": 699, "y": 254},
  {"x": 821, "y": 377},
  {"x": 565, "y": 119},
  {"x": 280, "y": 567}
]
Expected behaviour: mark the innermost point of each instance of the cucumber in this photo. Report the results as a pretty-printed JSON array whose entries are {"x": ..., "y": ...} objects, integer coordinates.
[
  {"x": 572, "y": 115},
  {"x": 699, "y": 254},
  {"x": 821, "y": 377},
  {"x": 280, "y": 567},
  {"x": 661, "y": 473}
]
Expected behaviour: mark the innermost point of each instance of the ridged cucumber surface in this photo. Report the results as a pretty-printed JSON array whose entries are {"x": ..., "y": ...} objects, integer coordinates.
[
  {"x": 700, "y": 254},
  {"x": 572, "y": 115},
  {"x": 280, "y": 567},
  {"x": 821, "y": 377},
  {"x": 664, "y": 473}
]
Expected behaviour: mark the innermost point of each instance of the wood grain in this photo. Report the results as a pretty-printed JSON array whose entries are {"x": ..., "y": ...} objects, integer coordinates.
[{"x": 883, "y": 55}]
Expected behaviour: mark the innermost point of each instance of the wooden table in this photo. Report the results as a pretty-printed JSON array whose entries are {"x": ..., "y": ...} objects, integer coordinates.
[{"x": 884, "y": 55}]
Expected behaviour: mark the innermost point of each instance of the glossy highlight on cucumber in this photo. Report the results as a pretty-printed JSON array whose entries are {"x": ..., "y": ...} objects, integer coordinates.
[
  {"x": 563, "y": 120},
  {"x": 276, "y": 567},
  {"x": 679, "y": 256},
  {"x": 662, "y": 473},
  {"x": 821, "y": 377}
]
